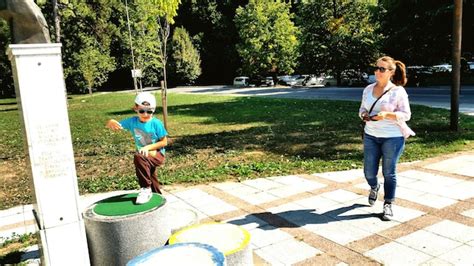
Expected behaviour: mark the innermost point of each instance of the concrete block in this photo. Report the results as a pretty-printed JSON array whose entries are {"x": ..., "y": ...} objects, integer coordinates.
[
  {"x": 121, "y": 232},
  {"x": 232, "y": 240}
]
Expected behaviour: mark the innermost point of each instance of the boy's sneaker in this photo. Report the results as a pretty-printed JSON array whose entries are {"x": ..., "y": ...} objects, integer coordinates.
[
  {"x": 387, "y": 214},
  {"x": 144, "y": 195},
  {"x": 373, "y": 195}
]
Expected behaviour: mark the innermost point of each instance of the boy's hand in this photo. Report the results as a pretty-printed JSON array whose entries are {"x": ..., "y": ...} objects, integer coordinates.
[
  {"x": 144, "y": 151},
  {"x": 114, "y": 124}
]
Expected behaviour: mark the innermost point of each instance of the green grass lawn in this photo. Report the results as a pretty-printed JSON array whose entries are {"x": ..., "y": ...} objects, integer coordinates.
[{"x": 218, "y": 138}]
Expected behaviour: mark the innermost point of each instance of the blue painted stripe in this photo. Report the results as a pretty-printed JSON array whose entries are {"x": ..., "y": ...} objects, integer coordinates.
[{"x": 218, "y": 258}]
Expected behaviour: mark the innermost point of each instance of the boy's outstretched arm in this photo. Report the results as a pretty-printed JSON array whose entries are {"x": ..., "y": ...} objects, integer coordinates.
[{"x": 113, "y": 124}]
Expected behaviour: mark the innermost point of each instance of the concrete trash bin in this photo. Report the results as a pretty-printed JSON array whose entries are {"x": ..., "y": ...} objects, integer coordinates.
[
  {"x": 118, "y": 230},
  {"x": 181, "y": 254},
  {"x": 232, "y": 240}
]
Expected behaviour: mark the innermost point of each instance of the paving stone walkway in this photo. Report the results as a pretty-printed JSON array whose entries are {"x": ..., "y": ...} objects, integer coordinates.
[{"x": 324, "y": 218}]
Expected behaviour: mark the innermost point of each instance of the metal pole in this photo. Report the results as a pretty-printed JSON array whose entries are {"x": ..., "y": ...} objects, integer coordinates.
[
  {"x": 456, "y": 75},
  {"x": 131, "y": 48}
]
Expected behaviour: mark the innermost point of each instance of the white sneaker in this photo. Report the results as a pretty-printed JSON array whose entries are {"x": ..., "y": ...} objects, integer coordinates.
[{"x": 144, "y": 195}]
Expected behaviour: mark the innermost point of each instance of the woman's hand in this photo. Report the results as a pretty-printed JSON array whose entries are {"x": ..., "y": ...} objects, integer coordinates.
[
  {"x": 387, "y": 115},
  {"x": 365, "y": 116}
]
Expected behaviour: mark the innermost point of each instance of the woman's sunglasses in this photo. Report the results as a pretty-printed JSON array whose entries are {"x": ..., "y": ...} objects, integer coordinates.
[
  {"x": 381, "y": 69},
  {"x": 142, "y": 111}
]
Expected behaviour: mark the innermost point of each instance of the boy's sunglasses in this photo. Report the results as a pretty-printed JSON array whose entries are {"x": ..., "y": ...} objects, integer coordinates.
[
  {"x": 381, "y": 69},
  {"x": 142, "y": 111}
]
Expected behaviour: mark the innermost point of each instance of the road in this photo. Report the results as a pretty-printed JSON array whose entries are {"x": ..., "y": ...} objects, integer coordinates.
[{"x": 434, "y": 96}]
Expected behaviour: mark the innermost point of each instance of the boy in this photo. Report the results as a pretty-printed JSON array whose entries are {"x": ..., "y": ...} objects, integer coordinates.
[{"x": 150, "y": 141}]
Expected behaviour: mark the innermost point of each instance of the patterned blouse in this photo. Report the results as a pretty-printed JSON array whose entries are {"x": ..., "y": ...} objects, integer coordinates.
[{"x": 396, "y": 100}]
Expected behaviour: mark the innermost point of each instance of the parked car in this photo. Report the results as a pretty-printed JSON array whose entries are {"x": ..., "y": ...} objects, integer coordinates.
[
  {"x": 269, "y": 81},
  {"x": 306, "y": 80},
  {"x": 417, "y": 75},
  {"x": 327, "y": 80},
  {"x": 241, "y": 81},
  {"x": 261, "y": 81},
  {"x": 442, "y": 68},
  {"x": 371, "y": 79},
  {"x": 287, "y": 80},
  {"x": 352, "y": 77}
]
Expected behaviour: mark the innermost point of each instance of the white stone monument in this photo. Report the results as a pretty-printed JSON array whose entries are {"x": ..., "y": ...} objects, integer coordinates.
[{"x": 41, "y": 97}]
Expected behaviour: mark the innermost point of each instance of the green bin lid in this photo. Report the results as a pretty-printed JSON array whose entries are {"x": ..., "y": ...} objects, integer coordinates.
[{"x": 125, "y": 205}]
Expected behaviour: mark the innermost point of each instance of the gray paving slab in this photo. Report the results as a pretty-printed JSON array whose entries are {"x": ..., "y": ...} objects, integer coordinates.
[
  {"x": 468, "y": 213},
  {"x": 343, "y": 176},
  {"x": 287, "y": 252},
  {"x": 248, "y": 222},
  {"x": 462, "y": 255},
  {"x": 394, "y": 253},
  {"x": 429, "y": 243},
  {"x": 461, "y": 165},
  {"x": 452, "y": 230},
  {"x": 267, "y": 235}
]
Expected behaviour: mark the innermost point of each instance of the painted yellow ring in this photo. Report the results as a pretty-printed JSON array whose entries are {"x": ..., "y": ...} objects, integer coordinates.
[{"x": 175, "y": 237}]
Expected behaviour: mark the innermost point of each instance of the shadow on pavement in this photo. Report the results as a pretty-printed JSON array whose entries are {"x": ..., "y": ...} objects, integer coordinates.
[{"x": 299, "y": 218}]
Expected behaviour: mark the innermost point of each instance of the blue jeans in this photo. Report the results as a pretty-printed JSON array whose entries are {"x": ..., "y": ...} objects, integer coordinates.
[{"x": 390, "y": 150}]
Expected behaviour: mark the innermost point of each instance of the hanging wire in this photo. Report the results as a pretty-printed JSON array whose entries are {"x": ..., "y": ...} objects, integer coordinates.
[{"x": 131, "y": 49}]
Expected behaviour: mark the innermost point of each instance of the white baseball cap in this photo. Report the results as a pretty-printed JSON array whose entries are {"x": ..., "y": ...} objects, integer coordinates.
[{"x": 143, "y": 97}]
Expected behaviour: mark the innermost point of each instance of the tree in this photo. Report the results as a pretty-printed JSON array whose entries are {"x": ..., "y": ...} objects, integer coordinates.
[
  {"x": 57, "y": 21},
  {"x": 268, "y": 37},
  {"x": 162, "y": 12},
  {"x": 185, "y": 63},
  {"x": 6, "y": 82},
  {"x": 211, "y": 25},
  {"x": 144, "y": 41},
  {"x": 95, "y": 66},
  {"x": 158, "y": 16},
  {"x": 408, "y": 24},
  {"x": 420, "y": 32},
  {"x": 337, "y": 35},
  {"x": 87, "y": 26}
]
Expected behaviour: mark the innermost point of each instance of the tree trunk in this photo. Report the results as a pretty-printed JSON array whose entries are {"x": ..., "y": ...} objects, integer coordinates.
[
  {"x": 57, "y": 25},
  {"x": 165, "y": 33},
  {"x": 164, "y": 104},
  {"x": 457, "y": 33}
]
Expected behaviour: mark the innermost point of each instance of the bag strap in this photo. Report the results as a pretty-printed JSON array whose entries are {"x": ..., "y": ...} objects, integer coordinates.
[{"x": 373, "y": 105}]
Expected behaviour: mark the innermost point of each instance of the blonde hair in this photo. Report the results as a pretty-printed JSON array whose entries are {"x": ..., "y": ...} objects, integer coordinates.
[{"x": 399, "y": 76}]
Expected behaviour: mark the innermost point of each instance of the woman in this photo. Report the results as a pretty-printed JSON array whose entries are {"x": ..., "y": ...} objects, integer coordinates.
[{"x": 385, "y": 130}]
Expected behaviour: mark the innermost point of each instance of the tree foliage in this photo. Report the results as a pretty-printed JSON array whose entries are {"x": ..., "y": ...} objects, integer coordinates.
[
  {"x": 211, "y": 24},
  {"x": 86, "y": 26},
  {"x": 268, "y": 37},
  {"x": 253, "y": 37},
  {"x": 6, "y": 81},
  {"x": 186, "y": 62},
  {"x": 144, "y": 40},
  {"x": 337, "y": 35},
  {"x": 94, "y": 66},
  {"x": 420, "y": 32}
]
